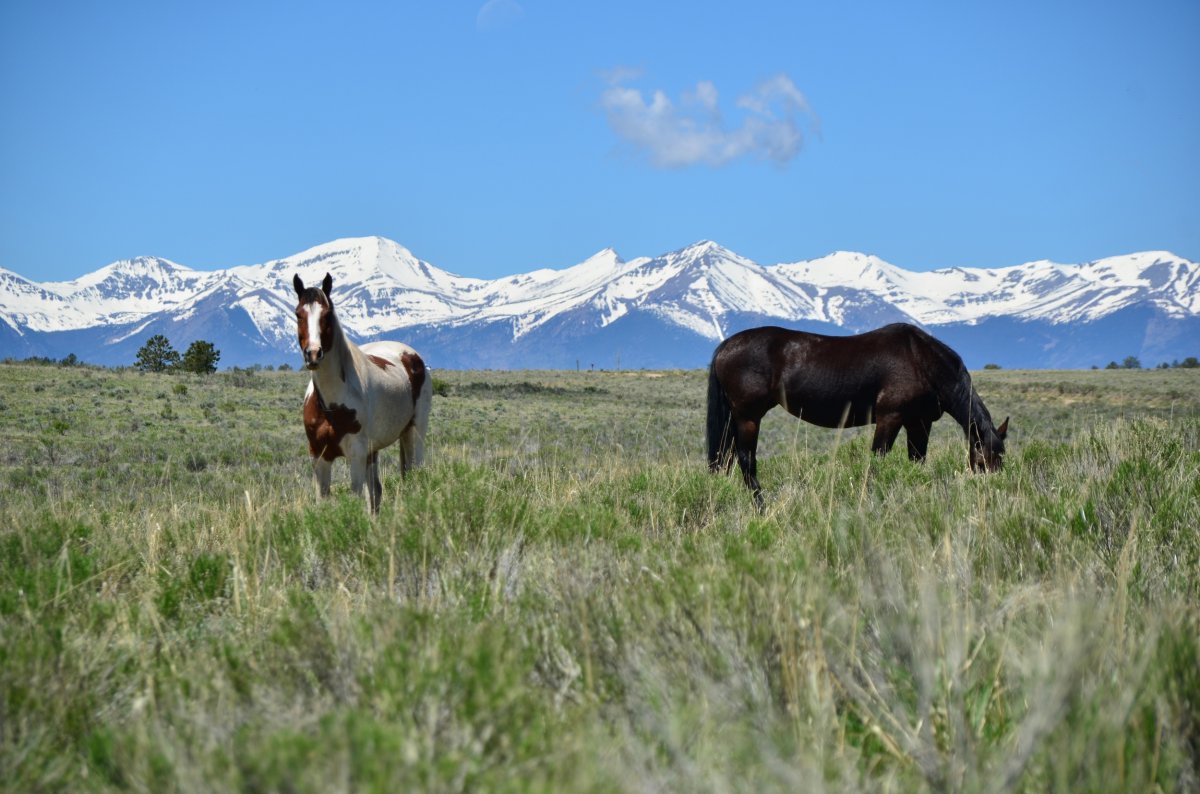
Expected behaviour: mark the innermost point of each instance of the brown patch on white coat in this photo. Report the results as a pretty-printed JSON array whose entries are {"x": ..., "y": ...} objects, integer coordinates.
[
  {"x": 327, "y": 425},
  {"x": 381, "y": 362},
  {"x": 415, "y": 367}
]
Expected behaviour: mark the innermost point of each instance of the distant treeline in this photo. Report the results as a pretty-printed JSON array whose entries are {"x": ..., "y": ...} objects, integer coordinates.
[
  {"x": 1132, "y": 362},
  {"x": 72, "y": 360},
  {"x": 1129, "y": 362}
]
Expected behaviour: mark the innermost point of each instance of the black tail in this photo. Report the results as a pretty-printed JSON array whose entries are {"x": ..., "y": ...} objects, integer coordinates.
[{"x": 719, "y": 430}]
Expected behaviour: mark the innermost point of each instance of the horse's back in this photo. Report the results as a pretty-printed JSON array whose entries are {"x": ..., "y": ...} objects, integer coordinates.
[
  {"x": 391, "y": 351},
  {"x": 397, "y": 360},
  {"x": 832, "y": 380}
]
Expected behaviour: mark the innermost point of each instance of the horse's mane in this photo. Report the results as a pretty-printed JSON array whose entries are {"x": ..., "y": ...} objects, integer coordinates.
[{"x": 955, "y": 390}]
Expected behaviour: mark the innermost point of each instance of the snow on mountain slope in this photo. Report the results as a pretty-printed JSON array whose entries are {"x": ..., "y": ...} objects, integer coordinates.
[
  {"x": 24, "y": 304},
  {"x": 271, "y": 312},
  {"x": 378, "y": 285},
  {"x": 117, "y": 293},
  {"x": 1041, "y": 290},
  {"x": 698, "y": 286},
  {"x": 1173, "y": 281},
  {"x": 134, "y": 287},
  {"x": 832, "y": 278},
  {"x": 372, "y": 262},
  {"x": 705, "y": 290},
  {"x": 530, "y": 300}
]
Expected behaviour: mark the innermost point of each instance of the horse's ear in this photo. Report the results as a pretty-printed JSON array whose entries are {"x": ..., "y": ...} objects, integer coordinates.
[
  {"x": 1002, "y": 430},
  {"x": 327, "y": 284},
  {"x": 298, "y": 284}
]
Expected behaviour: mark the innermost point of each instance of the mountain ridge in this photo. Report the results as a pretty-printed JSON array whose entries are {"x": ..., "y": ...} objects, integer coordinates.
[{"x": 606, "y": 307}]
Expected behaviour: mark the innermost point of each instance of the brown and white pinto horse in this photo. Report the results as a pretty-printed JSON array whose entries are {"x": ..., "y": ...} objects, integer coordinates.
[
  {"x": 360, "y": 399},
  {"x": 894, "y": 377}
]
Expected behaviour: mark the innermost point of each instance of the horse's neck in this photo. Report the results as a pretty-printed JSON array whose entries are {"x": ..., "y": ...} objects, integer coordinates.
[
  {"x": 338, "y": 370},
  {"x": 971, "y": 414}
]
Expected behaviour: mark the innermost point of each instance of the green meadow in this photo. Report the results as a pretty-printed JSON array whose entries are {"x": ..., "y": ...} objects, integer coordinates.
[{"x": 565, "y": 599}]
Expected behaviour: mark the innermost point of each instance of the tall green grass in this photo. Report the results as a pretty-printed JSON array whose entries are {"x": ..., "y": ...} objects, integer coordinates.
[{"x": 564, "y": 599}]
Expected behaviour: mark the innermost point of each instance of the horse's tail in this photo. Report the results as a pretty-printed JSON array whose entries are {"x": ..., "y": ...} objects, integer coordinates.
[{"x": 719, "y": 431}]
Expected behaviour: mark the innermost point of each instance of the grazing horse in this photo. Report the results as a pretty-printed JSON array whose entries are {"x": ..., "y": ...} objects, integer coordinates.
[
  {"x": 896, "y": 376},
  {"x": 360, "y": 399}
]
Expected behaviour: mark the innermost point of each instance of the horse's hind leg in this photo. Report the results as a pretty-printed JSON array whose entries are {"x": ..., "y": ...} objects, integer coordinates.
[
  {"x": 412, "y": 448},
  {"x": 373, "y": 481},
  {"x": 917, "y": 432},
  {"x": 419, "y": 429},
  {"x": 747, "y": 455}
]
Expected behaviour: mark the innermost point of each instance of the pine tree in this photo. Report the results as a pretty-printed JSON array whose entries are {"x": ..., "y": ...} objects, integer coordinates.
[
  {"x": 201, "y": 357},
  {"x": 157, "y": 355}
]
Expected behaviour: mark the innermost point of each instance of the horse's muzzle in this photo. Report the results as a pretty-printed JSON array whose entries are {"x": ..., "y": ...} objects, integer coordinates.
[{"x": 312, "y": 358}]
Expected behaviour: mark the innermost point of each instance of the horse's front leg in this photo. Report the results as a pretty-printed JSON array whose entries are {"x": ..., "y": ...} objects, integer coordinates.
[
  {"x": 360, "y": 469},
  {"x": 358, "y": 472},
  {"x": 887, "y": 427},
  {"x": 917, "y": 432},
  {"x": 323, "y": 472}
]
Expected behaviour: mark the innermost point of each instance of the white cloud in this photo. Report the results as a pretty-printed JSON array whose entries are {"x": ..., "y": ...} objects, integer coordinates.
[
  {"x": 497, "y": 14},
  {"x": 694, "y": 131}
]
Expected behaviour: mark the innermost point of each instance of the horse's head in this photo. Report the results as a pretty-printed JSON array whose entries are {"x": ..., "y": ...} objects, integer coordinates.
[
  {"x": 987, "y": 447},
  {"x": 314, "y": 320}
]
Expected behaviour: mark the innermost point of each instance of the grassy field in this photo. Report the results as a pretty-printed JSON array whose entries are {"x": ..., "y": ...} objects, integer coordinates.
[{"x": 565, "y": 599}]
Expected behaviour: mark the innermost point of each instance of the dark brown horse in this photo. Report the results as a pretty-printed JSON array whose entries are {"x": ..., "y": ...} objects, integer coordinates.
[{"x": 895, "y": 377}]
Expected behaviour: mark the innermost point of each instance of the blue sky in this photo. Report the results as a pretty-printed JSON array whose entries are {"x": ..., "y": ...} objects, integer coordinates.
[{"x": 493, "y": 138}]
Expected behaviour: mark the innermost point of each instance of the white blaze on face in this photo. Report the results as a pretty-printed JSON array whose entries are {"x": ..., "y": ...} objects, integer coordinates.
[{"x": 314, "y": 325}]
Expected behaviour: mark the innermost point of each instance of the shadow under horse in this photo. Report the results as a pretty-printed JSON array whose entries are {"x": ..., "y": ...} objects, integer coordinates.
[{"x": 894, "y": 377}]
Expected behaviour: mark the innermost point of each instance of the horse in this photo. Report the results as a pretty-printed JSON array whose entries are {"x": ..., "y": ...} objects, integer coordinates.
[
  {"x": 360, "y": 399},
  {"x": 893, "y": 377}
]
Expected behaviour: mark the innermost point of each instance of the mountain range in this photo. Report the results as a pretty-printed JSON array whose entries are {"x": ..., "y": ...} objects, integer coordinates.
[{"x": 607, "y": 312}]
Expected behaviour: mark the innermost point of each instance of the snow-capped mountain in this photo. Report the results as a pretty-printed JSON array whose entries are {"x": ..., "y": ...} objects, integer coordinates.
[
  {"x": 664, "y": 311},
  {"x": 1034, "y": 291}
]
